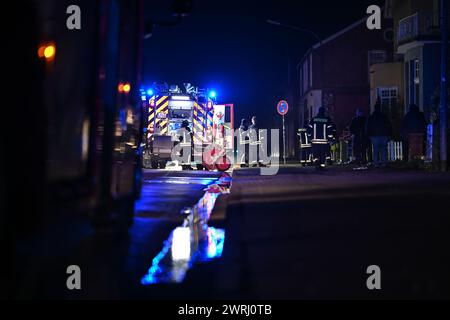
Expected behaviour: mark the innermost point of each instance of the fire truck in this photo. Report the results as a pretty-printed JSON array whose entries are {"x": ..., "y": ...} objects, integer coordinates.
[{"x": 207, "y": 137}]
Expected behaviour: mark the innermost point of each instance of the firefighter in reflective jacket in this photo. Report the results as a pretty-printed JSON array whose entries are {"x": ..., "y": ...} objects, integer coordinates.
[
  {"x": 185, "y": 140},
  {"x": 305, "y": 146},
  {"x": 321, "y": 132}
]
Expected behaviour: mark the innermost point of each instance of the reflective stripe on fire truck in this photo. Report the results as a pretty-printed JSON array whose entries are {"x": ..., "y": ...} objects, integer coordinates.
[
  {"x": 210, "y": 116},
  {"x": 151, "y": 117},
  {"x": 198, "y": 122},
  {"x": 162, "y": 111}
]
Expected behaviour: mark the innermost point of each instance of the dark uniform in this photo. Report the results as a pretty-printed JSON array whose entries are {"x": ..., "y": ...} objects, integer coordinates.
[
  {"x": 413, "y": 124},
  {"x": 244, "y": 143},
  {"x": 255, "y": 143},
  {"x": 360, "y": 140},
  {"x": 305, "y": 146},
  {"x": 321, "y": 132},
  {"x": 185, "y": 138}
]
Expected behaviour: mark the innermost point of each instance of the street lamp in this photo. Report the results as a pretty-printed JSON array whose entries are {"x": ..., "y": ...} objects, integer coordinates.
[
  {"x": 279, "y": 24},
  {"x": 315, "y": 35}
]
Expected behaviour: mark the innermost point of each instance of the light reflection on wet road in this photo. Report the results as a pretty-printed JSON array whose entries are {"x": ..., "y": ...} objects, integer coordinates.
[{"x": 175, "y": 196}]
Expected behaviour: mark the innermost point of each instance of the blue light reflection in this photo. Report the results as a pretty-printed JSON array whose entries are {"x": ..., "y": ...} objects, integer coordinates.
[{"x": 193, "y": 242}]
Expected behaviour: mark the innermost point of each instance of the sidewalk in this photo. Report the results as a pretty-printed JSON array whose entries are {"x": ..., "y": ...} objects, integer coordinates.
[{"x": 304, "y": 234}]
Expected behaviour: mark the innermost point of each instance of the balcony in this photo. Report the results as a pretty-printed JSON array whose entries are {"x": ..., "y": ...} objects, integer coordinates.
[{"x": 419, "y": 26}]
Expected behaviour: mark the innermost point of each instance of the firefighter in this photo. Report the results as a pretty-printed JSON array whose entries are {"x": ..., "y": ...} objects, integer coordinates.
[
  {"x": 358, "y": 132},
  {"x": 254, "y": 142},
  {"x": 184, "y": 132},
  {"x": 321, "y": 132},
  {"x": 379, "y": 129},
  {"x": 244, "y": 143},
  {"x": 304, "y": 146},
  {"x": 185, "y": 138},
  {"x": 209, "y": 135}
]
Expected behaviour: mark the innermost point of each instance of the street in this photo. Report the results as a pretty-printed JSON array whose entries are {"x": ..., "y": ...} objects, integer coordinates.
[
  {"x": 166, "y": 193},
  {"x": 112, "y": 264},
  {"x": 297, "y": 235},
  {"x": 308, "y": 235}
]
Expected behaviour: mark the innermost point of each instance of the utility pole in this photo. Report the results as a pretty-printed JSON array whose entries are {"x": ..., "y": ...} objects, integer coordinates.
[
  {"x": 443, "y": 106},
  {"x": 284, "y": 143}
]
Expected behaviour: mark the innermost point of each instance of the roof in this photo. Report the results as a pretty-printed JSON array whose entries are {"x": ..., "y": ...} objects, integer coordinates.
[
  {"x": 333, "y": 37},
  {"x": 340, "y": 33}
]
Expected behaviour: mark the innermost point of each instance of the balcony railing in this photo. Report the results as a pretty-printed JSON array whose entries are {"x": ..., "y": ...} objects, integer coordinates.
[{"x": 418, "y": 25}]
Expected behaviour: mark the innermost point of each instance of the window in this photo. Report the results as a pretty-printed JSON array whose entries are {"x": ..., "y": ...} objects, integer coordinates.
[
  {"x": 436, "y": 16},
  {"x": 414, "y": 81},
  {"x": 302, "y": 91},
  {"x": 389, "y": 99},
  {"x": 180, "y": 114},
  {"x": 305, "y": 114},
  {"x": 416, "y": 71},
  {"x": 417, "y": 81},
  {"x": 374, "y": 57},
  {"x": 377, "y": 56},
  {"x": 305, "y": 76}
]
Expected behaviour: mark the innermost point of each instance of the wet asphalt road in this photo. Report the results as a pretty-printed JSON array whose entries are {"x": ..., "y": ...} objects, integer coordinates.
[
  {"x": 304, "y": 234},
  {"x": 166, "y": 193},
  {"x": 297, "y": 235},
  {"x": 157, "y": 214},
  {"x": 112, "y": 264}
]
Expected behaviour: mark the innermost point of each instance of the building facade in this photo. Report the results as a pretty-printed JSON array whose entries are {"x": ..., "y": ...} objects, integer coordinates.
[
  {"x": 412, "y": 74},
  {"x": 418, "y": 47},
  {"x": 387, "y": 85},
  {"x": 336, "y": 72}
]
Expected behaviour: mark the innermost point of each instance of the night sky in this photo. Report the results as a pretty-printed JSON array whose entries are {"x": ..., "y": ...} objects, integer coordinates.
[{"x": 228, "y": 46}]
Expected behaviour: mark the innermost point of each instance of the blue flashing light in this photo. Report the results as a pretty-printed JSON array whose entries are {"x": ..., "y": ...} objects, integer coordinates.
[
  {"x": 212, "y": 94},
  {"x": 150, "y": 92}
]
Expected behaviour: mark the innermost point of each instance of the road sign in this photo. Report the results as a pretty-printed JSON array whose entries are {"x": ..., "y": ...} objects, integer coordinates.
[{"x": 282, "y": 107}]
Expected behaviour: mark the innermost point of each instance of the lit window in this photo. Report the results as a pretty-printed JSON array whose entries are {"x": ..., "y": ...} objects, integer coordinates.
[{"x": 416, "y": 71}]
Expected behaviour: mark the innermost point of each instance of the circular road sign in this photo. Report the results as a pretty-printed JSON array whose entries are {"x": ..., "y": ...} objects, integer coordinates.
[{"x": 283, "y": 107}]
